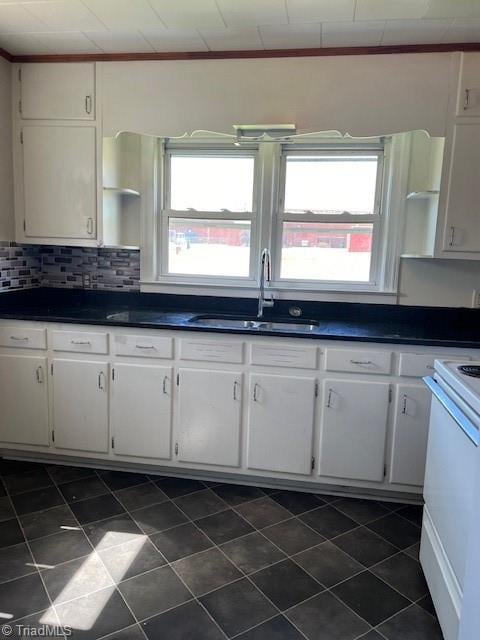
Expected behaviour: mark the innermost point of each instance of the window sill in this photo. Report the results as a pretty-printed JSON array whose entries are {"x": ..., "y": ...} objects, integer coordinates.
[{"x": 278, "y": 292}]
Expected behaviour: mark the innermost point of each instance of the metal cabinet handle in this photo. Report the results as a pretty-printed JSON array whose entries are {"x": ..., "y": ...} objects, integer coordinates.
[
  {"x": 256, "y": 387},
  {"x": 404, "y": 405},
  {"x": 144, "y": 346},
  {"x": 18, "y": 339},
  {"x": 235, "y": 384},
  {"x": 363, "y": 362},
  {"x": 101, "y": 381},
  {"x": 39, "y": 375},
  {"x": 88, "y": 104},
  {"x": 90, "y": 226},
  {"x": 165, "y": 380},
  {"x": 452, "y": 237},
  {"x": 466, "y": 99},
  {"x": 329, "y": 399},
  {"x": 81, "y": 342}
]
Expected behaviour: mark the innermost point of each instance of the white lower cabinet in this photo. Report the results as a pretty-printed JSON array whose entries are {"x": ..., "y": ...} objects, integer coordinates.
[
  {"x": 354, "y": 429},
  {"x": 24, "y": 400},
  {"x": 410, "y": 434},
  {"x": 227, "y": 415},
  {"x": 209, "y": 416},
  {"x": 141, "y": 410},
  {"x": 281, "y": 412},
  {"x": 80, "y": 405}
]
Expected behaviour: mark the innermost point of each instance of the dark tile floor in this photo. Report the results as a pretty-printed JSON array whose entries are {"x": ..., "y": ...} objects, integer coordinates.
[{"x": 130, "y": 556}]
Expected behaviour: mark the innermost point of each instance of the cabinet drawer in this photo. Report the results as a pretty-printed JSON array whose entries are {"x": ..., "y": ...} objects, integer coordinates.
[
  {"x": 79, "y": 342},
  {"x": 211, "y": 351},
  {"x": 417, "y": 365},
  {"x": 143, "y": 346},
  {"x": 358, "y": 361},
  {"x": 23, "y": 338},
  {"x": 287, "y": 355}
]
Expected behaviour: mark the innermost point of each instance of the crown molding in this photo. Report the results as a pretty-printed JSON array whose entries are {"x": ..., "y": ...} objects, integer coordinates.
[
  {"x": 256, "y": 53},
  {"x": 6, "y": 55}
]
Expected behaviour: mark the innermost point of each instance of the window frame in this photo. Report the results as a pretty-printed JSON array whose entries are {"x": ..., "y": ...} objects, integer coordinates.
[
  {"x": 376, "y": 218},
  {"x": 166, "y": 213},
  {"x": 266, "y": 223}
]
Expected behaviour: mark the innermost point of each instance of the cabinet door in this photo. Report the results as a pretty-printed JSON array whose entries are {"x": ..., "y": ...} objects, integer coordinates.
[
  {"x": 410, "y": 434},
  {"x": 57, "y": 91},
  {"x": 23, "y": 400},
  {"x": 141, "y": 410},
  {"x": 468, "y": 103},
  {"x": 462, "y": 220},
  {"x": 353, "y": 430},
  {"x": 59, "y": 181},
  {"x": 280, "y": 423},
  {"x": 80, "y": 405},
  {"x": 209, "y": 413}
]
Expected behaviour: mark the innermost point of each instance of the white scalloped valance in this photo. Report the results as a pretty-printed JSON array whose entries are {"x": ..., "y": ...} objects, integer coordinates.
[{"x": 359, "y": 95}]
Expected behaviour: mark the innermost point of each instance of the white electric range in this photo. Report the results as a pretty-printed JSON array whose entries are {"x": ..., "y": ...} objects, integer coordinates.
[{"x": 451, "y": 522}]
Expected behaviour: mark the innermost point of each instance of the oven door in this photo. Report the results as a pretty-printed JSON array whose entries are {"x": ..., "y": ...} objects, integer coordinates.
[{"x": 449, "y": 492}]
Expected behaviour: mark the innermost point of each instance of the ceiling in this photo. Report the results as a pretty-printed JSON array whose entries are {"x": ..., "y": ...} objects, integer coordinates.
[{"x": 148, "y": 26}]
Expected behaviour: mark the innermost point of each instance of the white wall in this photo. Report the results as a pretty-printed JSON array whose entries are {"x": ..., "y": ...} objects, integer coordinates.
[
  {"x": 440, "y": 283},
  {"x": 6, "y": 176},
  {"x": 360, "y": 95}
]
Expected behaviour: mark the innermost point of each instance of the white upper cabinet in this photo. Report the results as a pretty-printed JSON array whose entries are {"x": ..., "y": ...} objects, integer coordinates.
[
  {"x": 209, "y": 413},
  {"x": 410, "y": 434},
  {"x": 141, "y": 410},
  {"x": 468, "y": 100},
  {"x": 59, "y": 182},
  {"x": 354, "y": 429},
  {"x": 63, "y": 91},
  {"x": 280, "y": 423},
  {"x": 24, "y": 400},
  {"x": 461, "y": 232}
]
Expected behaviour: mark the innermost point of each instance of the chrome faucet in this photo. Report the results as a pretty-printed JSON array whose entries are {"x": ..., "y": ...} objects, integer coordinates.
[{"x": 265, "y": 276}]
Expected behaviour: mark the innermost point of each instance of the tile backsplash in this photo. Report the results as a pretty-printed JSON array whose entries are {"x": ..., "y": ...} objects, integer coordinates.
[
  {"x": 26, "y": 266},
  {"x": 19, "y": 267},
  {"x": 79, "y": 267}
]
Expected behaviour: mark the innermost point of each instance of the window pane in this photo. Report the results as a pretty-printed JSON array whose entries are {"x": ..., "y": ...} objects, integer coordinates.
[
  {"x": 209, "y": 247},
  {"x": 207, "y": 183},
  {"x": 331, "y": 184},
  {"x": 326, "y": 251}
]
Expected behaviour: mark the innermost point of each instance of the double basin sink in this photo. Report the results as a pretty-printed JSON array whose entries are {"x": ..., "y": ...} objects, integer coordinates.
[
  {"x": 239, "y": 322},
  {"x": 221, "y": 321}
]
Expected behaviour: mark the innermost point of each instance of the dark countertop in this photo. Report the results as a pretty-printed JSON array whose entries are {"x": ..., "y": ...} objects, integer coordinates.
[{"x": 431, "y": 326}]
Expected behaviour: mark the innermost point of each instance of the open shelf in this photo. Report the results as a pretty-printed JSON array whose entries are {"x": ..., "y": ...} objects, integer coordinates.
[
  {"x": 423, "y": 194},
  {"x": 123, "y": 191}
]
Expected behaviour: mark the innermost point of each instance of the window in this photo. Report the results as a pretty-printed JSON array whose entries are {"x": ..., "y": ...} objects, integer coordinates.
[
  {"x": 330, "y": 215},
  {"x": 318, "y": 208},
  {"x": 209, "y": 213}
]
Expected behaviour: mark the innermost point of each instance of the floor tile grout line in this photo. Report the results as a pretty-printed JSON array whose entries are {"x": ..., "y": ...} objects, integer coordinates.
[
  {"x": 412, "y": 604},
  {"x": 169, "y": 564},
  {"x": 247, "y": 576},
  {"x": 242, "y": 577},
  {"x": 366, "y": 568},
  {"x": 115, "y": 587},
  {"x": 231, "y": 507},
  {"x": 38, "y": 488},
  {"x": 38, "y": 571},
  {"x": 419, "y": 605}
]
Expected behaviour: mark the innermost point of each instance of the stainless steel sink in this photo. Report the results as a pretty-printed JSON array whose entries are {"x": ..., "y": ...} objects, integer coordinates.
[{"x": 302, "y": 326}]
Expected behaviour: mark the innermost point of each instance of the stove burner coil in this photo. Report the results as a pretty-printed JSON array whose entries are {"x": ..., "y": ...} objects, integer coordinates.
[{"x": 470, "y": 370}]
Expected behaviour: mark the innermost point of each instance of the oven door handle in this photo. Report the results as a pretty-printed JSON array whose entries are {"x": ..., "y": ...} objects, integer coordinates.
[{"x": 449, "y": 405}]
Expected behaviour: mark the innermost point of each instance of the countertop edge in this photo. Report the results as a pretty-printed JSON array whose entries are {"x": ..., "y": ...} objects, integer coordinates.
[{"x": 338, "y": 337}]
